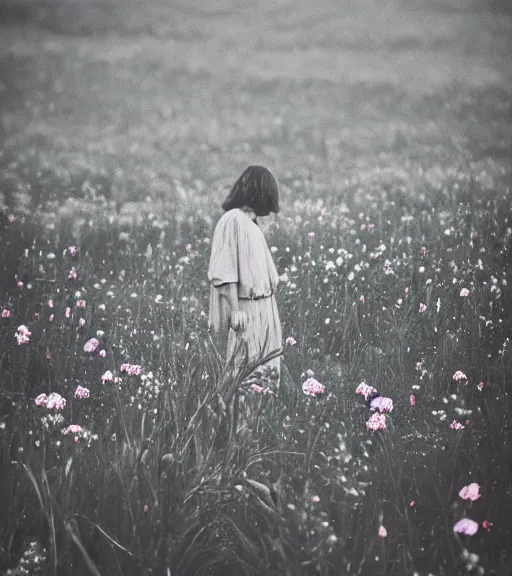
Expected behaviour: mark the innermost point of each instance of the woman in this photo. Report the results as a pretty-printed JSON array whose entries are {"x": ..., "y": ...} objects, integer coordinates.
[{"x": 243, "y": 277}]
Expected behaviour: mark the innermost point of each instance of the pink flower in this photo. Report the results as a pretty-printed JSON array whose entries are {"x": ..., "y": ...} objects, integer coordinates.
[
  {"x": 363, "y": 227},
  {"x": 376, "y": 422},
  {"x": 131, "y": 369},
  {"x": 381, "y": 404},
  {"x": 55, "y": 401},
  {"x": 464, "y": 292},
  {"x": 423, "y": 308},
  {"x": 81, "y": 322},
  {"x": 312, "y": 387},
  {"x": 146, "y": 508},
  {"x": 102, "y": 353},
  {"x": 11, "y": 218},
  {"x": 459, "y": 376},
  {"x": 470, "y": 492},
  {"x": 72, "y": 250},
  {"x": 423, "y": 251},
  {"x": 80, "y": 303},
  {"x": 456, "y": 425},
  {"x": 290, "y": 341},
  {"x": 382, "y": 532},
  {"x": 72, "y": 274},
  {"x": 107, "y": 377},
  {"x": 73, "y": 428},
  {"x": 188, "y": 248},
  {"x": 311, "y": 235},
  {"x": 20, "y": 284},
  {"x": 315, "y": 499},
  {"x": 68, "y": 312},
  {"x": 23, "y": 335},
  {"x": 412, "y": 400},
  {"x": 365, "y": 390},
  {"x": 91, "y": 345},
  {"x": 6, "y": 313},
  {"x": 480, "y": 386},
  {"x": 52, "y": 317},
  {"x": 256, "y": 388},
  {"x": 466, "y": 526},
  {"x": 361, "y": 299},
  {"x": 41, "y": 400},
  {"x": 474, "y": 235},
  {"x": 50, "y": 303},
  {"x": 371, "y": 227},
  {"x": 82, "y": 392},
  {"x": 486, "y": 525},
  {"x": 412, "y": 504}
]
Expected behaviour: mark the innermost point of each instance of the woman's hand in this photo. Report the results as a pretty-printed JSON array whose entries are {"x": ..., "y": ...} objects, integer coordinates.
[{"x": 239, "y": 320}]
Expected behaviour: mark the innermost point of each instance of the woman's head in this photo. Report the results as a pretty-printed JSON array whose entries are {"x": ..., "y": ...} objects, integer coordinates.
[{"x": 256, "y": 188}]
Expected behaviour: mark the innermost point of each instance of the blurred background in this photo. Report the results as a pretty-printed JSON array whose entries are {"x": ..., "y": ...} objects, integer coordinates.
[{"x": 145, "y": 97}]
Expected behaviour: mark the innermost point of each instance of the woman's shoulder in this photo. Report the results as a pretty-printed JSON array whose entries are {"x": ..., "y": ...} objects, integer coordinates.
[{"x": 229, "y": 216}]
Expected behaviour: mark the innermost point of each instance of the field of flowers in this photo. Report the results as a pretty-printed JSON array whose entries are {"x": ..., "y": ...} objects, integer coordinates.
[{"x": 387, "y": 449}]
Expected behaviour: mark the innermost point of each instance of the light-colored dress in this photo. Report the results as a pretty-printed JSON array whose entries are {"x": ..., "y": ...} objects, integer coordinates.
[{"x": 240, "y": 254}]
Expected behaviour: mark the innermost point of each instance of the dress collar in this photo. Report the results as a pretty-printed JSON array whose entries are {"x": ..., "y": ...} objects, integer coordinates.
[{"x": 249, "y": 212}]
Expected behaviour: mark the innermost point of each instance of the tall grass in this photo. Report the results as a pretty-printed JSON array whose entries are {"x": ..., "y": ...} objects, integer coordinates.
[{"x": 185, "y": 469}]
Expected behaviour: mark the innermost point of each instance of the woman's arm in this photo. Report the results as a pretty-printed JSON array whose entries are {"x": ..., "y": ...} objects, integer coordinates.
[{"x": 228, "y": 307}]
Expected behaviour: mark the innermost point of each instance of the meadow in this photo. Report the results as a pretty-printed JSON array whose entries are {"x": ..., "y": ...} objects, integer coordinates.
[{"x": 390, "y": 133}]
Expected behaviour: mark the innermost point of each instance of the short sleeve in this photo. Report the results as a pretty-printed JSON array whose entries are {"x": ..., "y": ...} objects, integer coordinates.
[{"x": 223, "y": 267}]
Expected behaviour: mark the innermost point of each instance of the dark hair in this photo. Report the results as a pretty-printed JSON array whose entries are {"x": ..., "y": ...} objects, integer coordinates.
[{"x": 256, "y": 188}]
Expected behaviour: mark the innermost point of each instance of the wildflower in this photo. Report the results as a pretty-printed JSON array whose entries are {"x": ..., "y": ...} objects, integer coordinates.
[
  {"x": 377, "y": 421},
  {"x": 131, "y": 369},
  {"x": 361, "y": 299},
  {"x": 256, "y": 388},
  {"x": 456, "y": 425},
  {"x": 459, "y": 376},
  {"x": 371, "y": 227},
  {"x": 188, "y": 247},
  {"x": 382, "y": 404},
  {"x": 311, "y": 235},
  {"x": 72, "y": 250},
  {"x": 68, "y": 312},
  {"x": 23, "y": 335},
  {"x": 52, "y": 317},
  {"x": 50, "y": 303},
  {"x": 80, "y": 303},
  {"x": 315, "y": 499},
  {"x": 382, "y": 532},
  {"x": 11, "y": 218},
  {"x": 486, "y": 525},
  {"x": 290, "y": 341},
  {"x": 72, "y": 274},
  {"x": 470, "y": 492},
  {"x": 82, "y": 392},
  {"x": 412, "y": 504},
  {"x": 20, "y": 284},
  {"x": 365, "y": 390},
  {"x": 91, "y": 345},
  {"x": 107, "y": 377},
  {"x": 466, "y": 526},
  {"x": 41, "y": 400},
  {"x": 146, "y": 508},
  {"x": 412, "y": 400},
  {"x": 363, "y": 227},
  {"x": 56, "y": 401},
  {"x": 102, "y": 353},
  {"x": 312, "y": 387},
  {"x": 423, "y": 251},
  {"x": 474, "y": 235},
  {"x": 81, "y": 322},
  {"x": 6, "y": 313},
  {"x": 480, "y": 386},
  {"x": 464, "y": 292},
  {"x": 423, "y": 308},
  {"x": 73, "y": 428}
]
